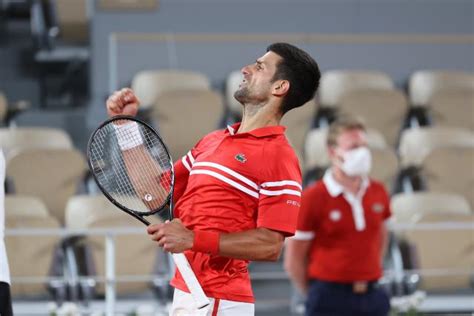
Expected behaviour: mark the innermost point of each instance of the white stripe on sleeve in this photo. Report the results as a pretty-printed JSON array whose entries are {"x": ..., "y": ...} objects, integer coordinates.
[
  {"x": 303, "y": 235},
  {"x": 280, "y": 192},
  {"x": 282, "y": 183}
]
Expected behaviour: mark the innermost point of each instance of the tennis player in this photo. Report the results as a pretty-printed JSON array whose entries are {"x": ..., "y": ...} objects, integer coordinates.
[{"x": 237, "y": 192}]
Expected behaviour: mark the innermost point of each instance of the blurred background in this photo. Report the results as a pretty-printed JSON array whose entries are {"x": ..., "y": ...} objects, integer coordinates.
[{"x": 405, "y": 66}]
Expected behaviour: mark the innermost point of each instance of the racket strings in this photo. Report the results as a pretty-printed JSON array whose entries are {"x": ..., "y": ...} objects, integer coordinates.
[{"x": 140, "y": 177}]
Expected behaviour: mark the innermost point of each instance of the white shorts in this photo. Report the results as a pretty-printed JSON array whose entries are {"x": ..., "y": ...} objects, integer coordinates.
[{"x": 183, "y": 305}]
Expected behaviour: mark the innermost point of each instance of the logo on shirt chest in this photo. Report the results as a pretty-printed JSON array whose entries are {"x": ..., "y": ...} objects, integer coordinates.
[
  {"x": 240, "y": 158},
  {"x": 335, "y": 215},
  {"x": 377, "y": 207}
]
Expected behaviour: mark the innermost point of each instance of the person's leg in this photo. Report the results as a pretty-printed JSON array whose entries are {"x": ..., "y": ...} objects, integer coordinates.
[
  {"x": 326, "y": 300},
  {"x": 381, "y": 302},
  {"x": 5, "y": 300},
  {"x": 372, "y": 303}
]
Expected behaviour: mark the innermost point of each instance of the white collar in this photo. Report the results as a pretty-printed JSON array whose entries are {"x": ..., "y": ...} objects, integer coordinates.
[{"x": 335, "y": 188}]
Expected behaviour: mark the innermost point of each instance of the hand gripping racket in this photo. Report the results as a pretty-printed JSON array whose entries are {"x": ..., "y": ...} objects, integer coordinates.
[{"x": 133, "y": 168}]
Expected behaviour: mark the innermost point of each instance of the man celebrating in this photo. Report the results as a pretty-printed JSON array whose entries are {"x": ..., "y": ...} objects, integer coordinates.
[
  {"x": 335, "y": 257},
  {"x": 237, "y": 192}
]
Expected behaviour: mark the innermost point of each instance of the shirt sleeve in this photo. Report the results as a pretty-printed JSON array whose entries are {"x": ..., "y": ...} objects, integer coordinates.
[
  {"x": 280, "y": 196},
  {"x": 387, "y": 213},
  {"x": 307, "y": 219},
  {"x": 182, "y": 168}
]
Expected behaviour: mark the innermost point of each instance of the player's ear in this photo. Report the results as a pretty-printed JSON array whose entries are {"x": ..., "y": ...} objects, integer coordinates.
[{"x": 280, "y": 87}]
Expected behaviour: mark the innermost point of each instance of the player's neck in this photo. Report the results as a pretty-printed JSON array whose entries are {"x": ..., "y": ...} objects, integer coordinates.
[
  {"x": 350, "y": 184},
  {"x": 258, "y": 116}
]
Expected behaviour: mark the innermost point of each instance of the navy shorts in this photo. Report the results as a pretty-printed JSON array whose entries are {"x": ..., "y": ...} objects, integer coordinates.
[{"x": 333, "y": 299}]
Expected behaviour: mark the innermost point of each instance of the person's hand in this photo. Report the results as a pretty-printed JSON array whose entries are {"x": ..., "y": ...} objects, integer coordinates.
[
  {"x": 122, "y": 102},
  {"x": 172, "y": 236}
]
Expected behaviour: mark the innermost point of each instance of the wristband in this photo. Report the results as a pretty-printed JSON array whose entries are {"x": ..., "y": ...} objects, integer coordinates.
[
  {"x": 128, "y": 135},
  {"x": 206, "y": 241}
]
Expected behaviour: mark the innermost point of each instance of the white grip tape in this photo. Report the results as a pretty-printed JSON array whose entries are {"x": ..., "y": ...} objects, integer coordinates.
[
  {"x": 128, "y": 135},
  {"x": 191, "y": 281}
]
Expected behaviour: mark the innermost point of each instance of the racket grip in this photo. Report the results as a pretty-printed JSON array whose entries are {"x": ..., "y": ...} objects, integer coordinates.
[{"x": 191, "y": 281}]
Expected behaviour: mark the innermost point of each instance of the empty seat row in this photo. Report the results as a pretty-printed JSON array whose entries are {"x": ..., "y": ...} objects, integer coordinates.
[{"x": 135, "y": 254}]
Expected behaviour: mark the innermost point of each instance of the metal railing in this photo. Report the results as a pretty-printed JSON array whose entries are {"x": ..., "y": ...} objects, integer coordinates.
[{"x": 111, "y": 279}]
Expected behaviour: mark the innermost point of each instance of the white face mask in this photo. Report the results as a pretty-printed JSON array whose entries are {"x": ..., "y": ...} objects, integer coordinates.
[{"x": 357, "y": 162}]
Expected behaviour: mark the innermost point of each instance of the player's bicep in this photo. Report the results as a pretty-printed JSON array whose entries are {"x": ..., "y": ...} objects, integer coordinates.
[{"x": 279, "y": 203}]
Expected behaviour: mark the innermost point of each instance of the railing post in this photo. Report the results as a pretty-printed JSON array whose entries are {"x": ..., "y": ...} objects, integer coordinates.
[{"x": 110, "y": 274}]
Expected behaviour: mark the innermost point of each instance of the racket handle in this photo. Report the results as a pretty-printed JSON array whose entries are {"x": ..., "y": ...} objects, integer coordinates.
[{"x": 191, "y": 281}]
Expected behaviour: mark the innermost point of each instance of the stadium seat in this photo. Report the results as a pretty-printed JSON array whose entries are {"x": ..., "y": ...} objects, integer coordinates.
[
  {"x": 181, "y": 132},
  {"x": 451, "y": 170},
  {"x": 148, "y": 85},
  {"x": 3, "y": 108},
  {"x": 298, "y": 122},
  {"x": 424, "y": 84},
  {"x": 417, "y": 143},
  {"x": 53, "y": 175},
  {"x": 453, "y": 108},
  {"x": 135, "y": 254},
  {"x": 384, "y": 110},
  {"x": 73, "y": 20},
  {"x": 384, "y": 163},
  {"x": 33, "y": 137},
  {"x": 233, "y": 106},
  {"x": 409, "y": 208},
  {"x": 336, "y": 83},
  {"x": 452, "y": 251},
  {"x": 29, "y": 256}
]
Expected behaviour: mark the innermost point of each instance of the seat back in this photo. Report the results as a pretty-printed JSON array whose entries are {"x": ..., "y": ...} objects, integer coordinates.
[
  {"x": 232, "y": 84},
  {"x": 29, "y": 256},
  {"x": 3, "y": 107},
  {"x": 424, "y": 84},
  {"x": 448, "y": 260},
  {"x": 298, "y": 122},
  {"x": 134, "y": 254},
  {"x": 453, "y": 108},
  {"x": 451, "y": 170},
  {"x": 53, "y": 175},
  {"x": 33, "y": 137},
  {"x": 417, "y": 143},
  {"x": 148, "y": 85},
  {"x": 336, "y": 83},
  {"x": 185, "y": 117},
  {"x": 409, "y": 208},
  {"x": 73, "y": 20},
  {"x": 383, "y": 110}
]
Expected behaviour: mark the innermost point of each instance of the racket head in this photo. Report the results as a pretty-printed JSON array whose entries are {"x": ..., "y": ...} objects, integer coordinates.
[{"x": 151, "y": 189}]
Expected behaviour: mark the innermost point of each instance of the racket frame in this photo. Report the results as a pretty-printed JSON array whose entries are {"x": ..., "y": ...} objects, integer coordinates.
[
  {"x": 137, "y": 215},
  {"x": 180, "y": 259}
]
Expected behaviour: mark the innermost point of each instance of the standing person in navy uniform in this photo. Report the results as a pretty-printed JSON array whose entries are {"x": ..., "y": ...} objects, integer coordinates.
[{"x": 336, "y": 255}]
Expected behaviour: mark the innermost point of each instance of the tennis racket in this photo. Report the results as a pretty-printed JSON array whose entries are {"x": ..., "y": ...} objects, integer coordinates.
[{"x": 134, "y": 170}]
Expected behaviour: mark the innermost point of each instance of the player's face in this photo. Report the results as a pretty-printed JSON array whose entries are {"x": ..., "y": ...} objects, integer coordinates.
[
  {"x": 346, "y": 141},
  {"x": 257, "y": 84}
]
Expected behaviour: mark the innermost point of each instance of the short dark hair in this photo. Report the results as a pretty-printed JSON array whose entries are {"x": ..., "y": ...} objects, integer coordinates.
[{"x": 300, "y": 69}]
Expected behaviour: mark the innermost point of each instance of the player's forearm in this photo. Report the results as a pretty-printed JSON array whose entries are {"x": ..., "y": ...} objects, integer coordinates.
[
  {"x": 297, "y": 273},
  {"x": 296, "y": 262},
  {"x": 259, "y": 244}
]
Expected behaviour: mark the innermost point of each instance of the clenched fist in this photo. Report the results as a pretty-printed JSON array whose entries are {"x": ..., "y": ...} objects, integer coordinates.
[
  {"x": 122, "y": 102},
  {"x": 172, "y": 236}
]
